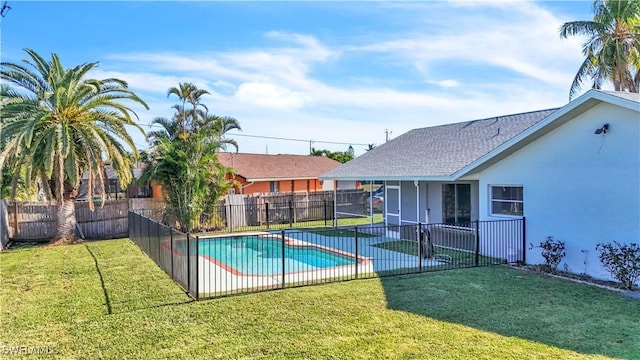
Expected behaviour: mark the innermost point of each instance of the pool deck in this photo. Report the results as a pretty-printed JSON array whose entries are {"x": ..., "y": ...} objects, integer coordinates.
[{"x": 216, "y": 279}]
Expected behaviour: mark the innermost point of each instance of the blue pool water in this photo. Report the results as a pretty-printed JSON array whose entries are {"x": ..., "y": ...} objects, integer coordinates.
[{"x": 263, "y": 255}]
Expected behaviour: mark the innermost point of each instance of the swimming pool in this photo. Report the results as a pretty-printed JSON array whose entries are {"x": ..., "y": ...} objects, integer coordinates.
[{"x": 263, "y": 255}]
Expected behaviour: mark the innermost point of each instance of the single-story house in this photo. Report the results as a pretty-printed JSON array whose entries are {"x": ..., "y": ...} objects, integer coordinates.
[
  {"x": 261, "y": 173},
  {"x": 572, "y": 172},
  {"x": 113, "y": 188}
]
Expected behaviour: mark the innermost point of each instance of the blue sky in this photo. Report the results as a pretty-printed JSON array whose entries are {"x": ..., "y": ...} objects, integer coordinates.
[{"x": 324, "y": 71}]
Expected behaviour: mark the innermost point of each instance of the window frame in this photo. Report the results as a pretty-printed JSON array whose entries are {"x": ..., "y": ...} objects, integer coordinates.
[
  {"x": 274, "y": 185},
  {"x": 456, "y": 203},
  {"x": 492, "y": 200}
]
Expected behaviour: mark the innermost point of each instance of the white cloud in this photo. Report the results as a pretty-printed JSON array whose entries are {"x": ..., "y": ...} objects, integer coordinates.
[
  {"x": 147, "y": 81},
  {"x": 268, "y": 95},
  {"x": 518, "y": 36},
  {"x": 269, "y": 88},
  {"x": 445, "y": 83}
]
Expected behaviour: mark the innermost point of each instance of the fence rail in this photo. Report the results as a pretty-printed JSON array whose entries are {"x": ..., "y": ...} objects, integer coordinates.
[
  {"x": 173, "y": 251},
  {"x": 265, "y": 216},
  {"x": 232, "y": 264}
]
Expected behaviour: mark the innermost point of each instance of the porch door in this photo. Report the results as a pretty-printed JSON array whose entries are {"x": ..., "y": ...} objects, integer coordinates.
[
  {"x": 392, "y": 204},
  {"x": 456, "y": 207}
]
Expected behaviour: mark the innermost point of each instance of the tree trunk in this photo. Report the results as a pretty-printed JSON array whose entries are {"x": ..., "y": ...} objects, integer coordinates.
[{"x": 66, "y": 218}]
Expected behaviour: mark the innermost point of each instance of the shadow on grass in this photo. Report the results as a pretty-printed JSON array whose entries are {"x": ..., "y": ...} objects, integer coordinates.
[
  {"x": 130, "y": 281},
  {"x": 107, "y": 301},
  {"x": 510, "y": 302}
]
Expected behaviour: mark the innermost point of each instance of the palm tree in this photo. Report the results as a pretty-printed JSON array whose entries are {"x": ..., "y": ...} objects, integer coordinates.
[
  {"x": 339, "y": 156},
  {"x": 219, "y": 126},
  {"x": 60, "y": 125},
  {"x": 612, "y": 51},
  {"x": 183, "y": 159},
  {"x": 189, "y": 93}
]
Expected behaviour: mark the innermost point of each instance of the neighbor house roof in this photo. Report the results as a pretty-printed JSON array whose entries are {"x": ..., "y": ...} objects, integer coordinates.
[
  {"x": 448, "y": 152},
  {"x": 259, "y": 167}
]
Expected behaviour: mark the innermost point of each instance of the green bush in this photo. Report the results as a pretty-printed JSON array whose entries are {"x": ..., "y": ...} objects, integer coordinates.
[
  {"x": 552, "y": 252},
  {"x": 622, "y": 261}
]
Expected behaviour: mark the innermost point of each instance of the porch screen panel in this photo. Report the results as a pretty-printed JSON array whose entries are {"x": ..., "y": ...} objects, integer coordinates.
[
  {"x": 393, "y": 201},
  {"x": 463, "y": 197}
]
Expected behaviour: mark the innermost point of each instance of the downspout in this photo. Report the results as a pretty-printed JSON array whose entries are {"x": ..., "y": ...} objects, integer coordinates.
[
  {"x": 417, "y": 185},
  {"x": 242, "y": 187},
  {"x": 371, "y": 201},
  {"x": 386, "y": 200},
  {"x": 335, "y": 204}
]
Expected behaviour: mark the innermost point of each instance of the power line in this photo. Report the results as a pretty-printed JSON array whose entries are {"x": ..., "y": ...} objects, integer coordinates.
[
  {"x": 286, "y": 139},
  {"x": 301, "y": 140}
]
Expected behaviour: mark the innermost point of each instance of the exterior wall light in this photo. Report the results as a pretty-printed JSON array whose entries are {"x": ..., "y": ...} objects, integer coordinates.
[{"x": 602, "y": 130}]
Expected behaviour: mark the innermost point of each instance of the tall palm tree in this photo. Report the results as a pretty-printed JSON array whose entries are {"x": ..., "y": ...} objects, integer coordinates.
[
  {"x": 189, "y": 93},
  {"x": 612, "y": 50},
  {"x": 59, "y": 124},
  {"x": 183, "y": 159},
  {"x": 219, "y": 126}
]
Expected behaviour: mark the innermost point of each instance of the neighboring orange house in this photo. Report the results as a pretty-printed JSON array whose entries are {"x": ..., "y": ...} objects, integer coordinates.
[{"x": 258, "y": 173}]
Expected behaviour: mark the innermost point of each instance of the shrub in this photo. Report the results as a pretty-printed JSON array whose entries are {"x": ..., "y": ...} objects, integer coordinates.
[
  {"x": 622, "y": 261},
  {"x": 552, "y": 252}
]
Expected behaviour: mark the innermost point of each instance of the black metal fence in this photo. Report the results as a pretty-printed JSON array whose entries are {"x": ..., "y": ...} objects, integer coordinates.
[
  {"x": 259, "y": 216},
  {"x": 239, "y": 263},
  {"x": 174, "y": 252}
]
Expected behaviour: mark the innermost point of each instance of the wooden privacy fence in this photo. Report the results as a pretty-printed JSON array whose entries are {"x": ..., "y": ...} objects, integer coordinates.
[
  {"x": 4, "y": 227},
  {"x": 247, "y": 210},
  {"x": 36, "y": 221}
]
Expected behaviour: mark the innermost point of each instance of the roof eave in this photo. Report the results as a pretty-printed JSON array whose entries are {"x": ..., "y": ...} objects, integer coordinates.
[
  {"x": 388, "y": 178},
  {"x": 281, "y": 178},
  {"x": 528, "y": 135}
]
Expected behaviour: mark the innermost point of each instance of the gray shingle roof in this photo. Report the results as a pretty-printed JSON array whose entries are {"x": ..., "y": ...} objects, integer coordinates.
[
  {"x": 437, "y": 151},
  {"x": 625, "y": 95}
]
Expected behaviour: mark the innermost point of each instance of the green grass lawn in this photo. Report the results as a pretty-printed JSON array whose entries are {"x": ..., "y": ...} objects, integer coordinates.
[
  {"x": 342, "y": 222},
  {"x": 451, "y": 256},
  {"x": 108, "y": 300},
  {"x": 340, "y": 233}
]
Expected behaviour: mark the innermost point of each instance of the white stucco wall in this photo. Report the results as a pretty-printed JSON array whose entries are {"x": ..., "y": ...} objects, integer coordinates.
[
  {"x": 328, "y": 185},
  {"x": 579, "y": 187},
  {"x": 347, "y": 185}
]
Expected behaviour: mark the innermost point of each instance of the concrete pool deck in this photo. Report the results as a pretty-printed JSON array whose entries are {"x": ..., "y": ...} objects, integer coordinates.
[{"x": 217, "y": 279}]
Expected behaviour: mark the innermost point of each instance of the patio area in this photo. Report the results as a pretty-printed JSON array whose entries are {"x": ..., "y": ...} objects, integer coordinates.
[{"x": 216, "y": 277}]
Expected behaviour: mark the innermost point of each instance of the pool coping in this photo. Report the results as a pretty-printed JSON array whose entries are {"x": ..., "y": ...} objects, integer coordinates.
[{"x": 364, "y": 261}]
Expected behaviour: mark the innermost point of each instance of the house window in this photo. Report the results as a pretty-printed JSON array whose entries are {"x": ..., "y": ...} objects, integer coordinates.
[
  {"x": 507, "y": 200},
  {"x": 273, "y": 186},
  {"x": 456, "y": 205}
]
